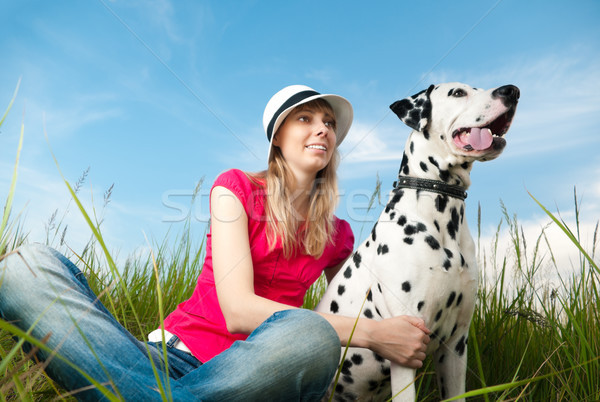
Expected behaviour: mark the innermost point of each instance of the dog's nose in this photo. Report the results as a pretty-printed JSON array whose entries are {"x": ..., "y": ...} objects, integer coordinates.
[{"x": 508, "y": 93}]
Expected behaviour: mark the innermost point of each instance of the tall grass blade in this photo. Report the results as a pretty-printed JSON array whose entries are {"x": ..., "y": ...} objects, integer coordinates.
[
  {"x": 569, "y": 234},
  {"x": 11, "y": 193}
]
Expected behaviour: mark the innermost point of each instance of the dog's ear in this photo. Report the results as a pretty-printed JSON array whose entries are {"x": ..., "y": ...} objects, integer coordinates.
[{"x": 414, "y": 111}]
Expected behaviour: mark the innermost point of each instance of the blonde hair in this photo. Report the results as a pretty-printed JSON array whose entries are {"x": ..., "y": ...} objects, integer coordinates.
[{"x": 283, "y": 222}]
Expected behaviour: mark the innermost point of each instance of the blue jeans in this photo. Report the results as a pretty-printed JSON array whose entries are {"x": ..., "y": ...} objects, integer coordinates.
[{"x": 291, "y": 356}]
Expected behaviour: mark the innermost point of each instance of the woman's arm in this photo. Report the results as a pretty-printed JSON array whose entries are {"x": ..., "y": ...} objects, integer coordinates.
[
  {"x": 243, "y": 310},
  {"x": 401, "y": 339}
]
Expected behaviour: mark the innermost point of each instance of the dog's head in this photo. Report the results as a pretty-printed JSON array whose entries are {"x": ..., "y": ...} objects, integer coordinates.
[{"x": 472, "y": 122}]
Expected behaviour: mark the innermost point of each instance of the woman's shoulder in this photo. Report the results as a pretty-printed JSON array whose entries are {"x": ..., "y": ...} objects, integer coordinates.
[
  {"x": 247, "y": 187},
  {"x": 237, "y": 177}
]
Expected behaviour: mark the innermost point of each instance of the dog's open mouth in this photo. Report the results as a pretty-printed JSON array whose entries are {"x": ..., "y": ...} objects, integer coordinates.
[{"x": 485, "y": 137}]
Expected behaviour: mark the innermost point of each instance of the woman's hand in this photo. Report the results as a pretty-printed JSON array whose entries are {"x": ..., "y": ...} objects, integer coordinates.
[{"x": 400, "y": 339}]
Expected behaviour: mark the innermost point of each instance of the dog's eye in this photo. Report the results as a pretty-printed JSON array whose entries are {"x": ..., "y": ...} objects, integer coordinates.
[{"x": 459, "y": 93}]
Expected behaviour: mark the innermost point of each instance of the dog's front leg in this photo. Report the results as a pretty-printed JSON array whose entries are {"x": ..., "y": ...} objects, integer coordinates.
[
  {"x": 403, "y": 387},
  {"x": 451, "y": 367}
]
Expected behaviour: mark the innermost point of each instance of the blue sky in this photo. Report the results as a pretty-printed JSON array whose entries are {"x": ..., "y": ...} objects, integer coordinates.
[{"x": 152, "y": 96}]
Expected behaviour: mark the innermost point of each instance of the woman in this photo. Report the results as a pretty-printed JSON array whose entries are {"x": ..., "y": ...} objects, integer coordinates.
[{"x": 242, "y": 335}]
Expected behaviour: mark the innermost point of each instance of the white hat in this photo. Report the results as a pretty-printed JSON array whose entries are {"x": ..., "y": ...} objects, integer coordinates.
[{"x": 282, "y": 103}]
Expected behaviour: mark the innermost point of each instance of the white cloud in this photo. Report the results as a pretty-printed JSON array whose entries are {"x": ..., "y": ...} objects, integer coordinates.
[{"x": 371, "y": 142}]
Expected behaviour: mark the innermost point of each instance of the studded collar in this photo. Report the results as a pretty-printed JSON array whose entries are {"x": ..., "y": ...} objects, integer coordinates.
[{"x": 434, "y": 186}]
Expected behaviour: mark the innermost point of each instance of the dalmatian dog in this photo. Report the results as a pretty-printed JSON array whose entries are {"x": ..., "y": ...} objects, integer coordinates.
[{"x": 419, "y": 258}]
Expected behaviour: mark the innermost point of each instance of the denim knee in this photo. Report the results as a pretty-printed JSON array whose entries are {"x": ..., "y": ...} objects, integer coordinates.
[{"x": 316, "y": 339}]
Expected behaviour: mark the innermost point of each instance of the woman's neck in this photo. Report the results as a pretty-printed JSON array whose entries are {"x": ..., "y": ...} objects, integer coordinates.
[{"x": 300, "y": 192}]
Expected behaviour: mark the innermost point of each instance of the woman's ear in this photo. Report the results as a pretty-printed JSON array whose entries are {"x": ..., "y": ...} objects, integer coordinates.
[{"x": 276, "y": 141}]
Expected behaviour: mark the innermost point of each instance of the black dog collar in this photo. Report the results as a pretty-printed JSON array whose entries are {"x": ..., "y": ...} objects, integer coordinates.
[{"x": 434, "y": 186}]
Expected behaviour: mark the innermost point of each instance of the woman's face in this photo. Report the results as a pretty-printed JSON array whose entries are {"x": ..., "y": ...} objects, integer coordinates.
[{"x": 307, "y": 139}]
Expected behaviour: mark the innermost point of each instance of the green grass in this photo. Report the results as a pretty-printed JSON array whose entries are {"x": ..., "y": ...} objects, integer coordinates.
[{"x": 528, "y": 341}]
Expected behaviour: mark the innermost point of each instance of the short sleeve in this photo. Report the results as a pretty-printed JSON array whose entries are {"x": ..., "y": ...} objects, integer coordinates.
[
  {"x": 239, "y": 184},
  {"x": 344, "y": 242}
]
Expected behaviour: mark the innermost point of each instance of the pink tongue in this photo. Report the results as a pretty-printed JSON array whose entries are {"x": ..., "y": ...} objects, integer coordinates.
[{"x": 480, "y": 138}]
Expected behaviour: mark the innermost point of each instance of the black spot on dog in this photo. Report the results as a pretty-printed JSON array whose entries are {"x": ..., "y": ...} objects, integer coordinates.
[
  {"x": 462, "y": 260},
  {"x": 377, "y": 311},
  {"x": 441, "y": 201},
  {"x": 392, "y": 215},
  {"x": 460, "y": 346},
  {"x": 348, "y": 379},
  {"x": 373, "y": 231},
  {"x": 368, "y": 313},
  {"x": 367, "y": 244},
  {"x": 333, "y": 307},
  {"x": 438, "y": 315},
  {"x": 437, "y": 225},
  {"x": 444, "y": 175},
  {"x": 410, "y": 230},
  {"x": 379, "y": 288},
  {"x": 459, "y": 300},
  {"x": 346, "y": 367},
  {"x": 356, "y": 258},
  {"x": 348, "y": 273},
  {"x": 447, "y": 265},
  {"x": 382, "y": 249},
  {"x": 402, "y": 220},
  {"x": 433, "y": 243},
  {"x": 450, "y": 92},
  {"x": 453, "y": 224},
  {"x": 442, "y": 340},
  {"x": 404, "y": 165},
  {"x": 373, "y": 385},
  {"x": 408, "y": 240},
  {"x": 426, "y": 134},
  {"x": 434, "y": 162},
  {"x": 450, "y": 299},
  {"x": 420, "y": 305},
  {"x": 421, "y": 227},
  {"x": 406, "y": 286},
  {"x": 378, "y": 358},
  {"x": 412, "y": 147},
  {"x": 448, "y": 253},
  {"x": 341, "y": 289},
  {"x": 356, "y": 359},
  {"x": 441, "y": 359},
  {"x": 424, "y": 166},
  {"x": 398, "y": 193},
  {"x": 454, "y": 329},
  {"x": 370, "y": 295},
  {"x": 385, "y": 370}
]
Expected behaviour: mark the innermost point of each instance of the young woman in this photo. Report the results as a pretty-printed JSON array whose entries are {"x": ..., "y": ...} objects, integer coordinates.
[{"x": 242, "y": 335}]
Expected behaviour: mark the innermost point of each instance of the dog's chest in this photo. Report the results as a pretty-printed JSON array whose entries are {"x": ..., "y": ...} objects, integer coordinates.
[{"x": 418, "y": 260}]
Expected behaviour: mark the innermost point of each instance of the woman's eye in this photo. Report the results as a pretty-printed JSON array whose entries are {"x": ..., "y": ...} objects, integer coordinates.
[
  {"x": 330, "y": 124},
  {"x": 303, "y": 118}
]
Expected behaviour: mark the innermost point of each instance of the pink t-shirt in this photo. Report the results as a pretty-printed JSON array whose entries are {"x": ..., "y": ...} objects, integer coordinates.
[{"x": 199, "y": 322}]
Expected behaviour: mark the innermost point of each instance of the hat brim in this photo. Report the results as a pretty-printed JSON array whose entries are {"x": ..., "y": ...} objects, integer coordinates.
[{"x": 341, "y": 108}]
